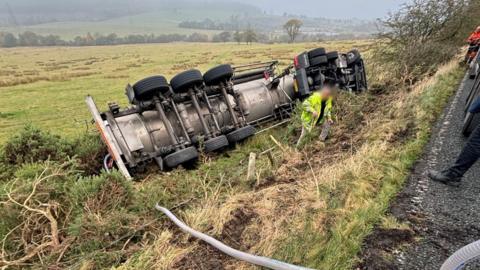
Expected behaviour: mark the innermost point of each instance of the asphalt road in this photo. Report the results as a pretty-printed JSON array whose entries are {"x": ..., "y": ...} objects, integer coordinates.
[{"x": 450, "y": 216}]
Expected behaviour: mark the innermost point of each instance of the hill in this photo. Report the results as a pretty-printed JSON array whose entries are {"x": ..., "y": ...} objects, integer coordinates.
[{"x": 152, "y": 17}]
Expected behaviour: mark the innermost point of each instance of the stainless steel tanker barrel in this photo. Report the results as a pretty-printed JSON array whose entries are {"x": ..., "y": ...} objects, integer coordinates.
[{"x": 171, "y": 122}]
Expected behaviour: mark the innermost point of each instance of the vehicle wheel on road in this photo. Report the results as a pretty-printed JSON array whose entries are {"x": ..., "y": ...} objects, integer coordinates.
[
  {"x": 471, "y": 70},
  {"x": 353, "y": 57},
  {"x": 316, "y": 53},
  {"x": 474, "y": 93},
  {"x": 147, "y": 88},
  {"x": 184, "y": 81},
  {"x": 318, "y": 61},
  {"x": 470, "y": 123},
  {"x": 218, "y": 74},
  {"x": 181, "y": 156},
  {"x": 332, "y": 56},
  {"x": 241, "y": 134},
  {"x": 216, "y": 144}
]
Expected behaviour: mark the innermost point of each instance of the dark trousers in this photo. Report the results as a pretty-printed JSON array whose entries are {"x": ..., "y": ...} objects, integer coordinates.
[{"x": 470, "y": 154}]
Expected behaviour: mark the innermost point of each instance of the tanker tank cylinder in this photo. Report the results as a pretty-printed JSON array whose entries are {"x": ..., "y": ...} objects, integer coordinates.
[
  {"x": 182, "y": 109},
  {"x": 191, "y": 83},
  {"x": 154, "y": 89},
  {"x": 220, "y": 78}
]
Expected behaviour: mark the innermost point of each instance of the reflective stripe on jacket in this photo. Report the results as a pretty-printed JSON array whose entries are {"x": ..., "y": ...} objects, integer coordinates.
[{"x": 314, "y": 104}]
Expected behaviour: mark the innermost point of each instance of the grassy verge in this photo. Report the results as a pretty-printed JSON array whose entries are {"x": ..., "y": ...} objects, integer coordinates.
[{"x": 372, "y": 177}]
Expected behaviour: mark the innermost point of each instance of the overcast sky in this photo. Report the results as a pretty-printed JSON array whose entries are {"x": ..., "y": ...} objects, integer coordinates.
[{"x": 363, "y": 9}]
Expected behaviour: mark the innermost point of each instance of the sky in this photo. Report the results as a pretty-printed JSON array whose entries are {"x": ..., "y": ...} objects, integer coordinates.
[
  {"x": 362, "y": 9},
  {"x": 339, "y": 9}
]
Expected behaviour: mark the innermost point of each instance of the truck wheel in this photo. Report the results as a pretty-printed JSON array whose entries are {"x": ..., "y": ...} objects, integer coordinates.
[
  {"x": 216, "y": 144},
  {"x": 471, "y": 70},
  {"x": 316, "y": 52},
  {"x": 147, "y": 88},
  {"x": 218, "y": 74},
  {"x": 332, "y": 56},
  {"x": 181, "y": 156},
  {"x": 241, "y": 134},
  {"x": 319, "y": 60},
  {"x": 186, "y": 80},
  {"x": 353, "y": 57},
  {"x": 474, "y": 92}
]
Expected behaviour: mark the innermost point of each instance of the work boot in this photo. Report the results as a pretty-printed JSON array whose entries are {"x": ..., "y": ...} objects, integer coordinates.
[{"x": 444, "y": 178}]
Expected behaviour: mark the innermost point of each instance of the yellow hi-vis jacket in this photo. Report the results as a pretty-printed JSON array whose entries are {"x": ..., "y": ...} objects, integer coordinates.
[{"x": 314, "y": 104}]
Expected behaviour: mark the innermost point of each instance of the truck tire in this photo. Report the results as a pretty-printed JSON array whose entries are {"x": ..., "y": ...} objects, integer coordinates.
[
  {"x": 360, "y": 67},
  {"x": 316, "y": 53},
  {"x": 332, "y": 56},
  {"x": 470, "y": 123},
  {"x": 147, "y": 88},
  {"x": 319, "y": 61},
  {"x": 353, "y": 57},
  {"x": 181, "y": 156},
  {"x": 218, "y": 74},
  {"x": 216, "y": 144},
  {"x": 474, "y": 93},
  {"x": 241, "y": 134},
  {"x": 186, "y": 80},
  {"x": 472, "y": 70}
]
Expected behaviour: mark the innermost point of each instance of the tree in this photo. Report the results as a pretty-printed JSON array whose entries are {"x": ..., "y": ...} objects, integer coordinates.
[
  {"x": 250, "y": 36},
  {"x": 422, "y": 35},
  {"x": 28, "y": 38},
  {"x": 225, "y": 36},
  {"x": 238, "y": 36},
  {"x": 9, "y": 40},
  {"x": 292, "y": 27}
]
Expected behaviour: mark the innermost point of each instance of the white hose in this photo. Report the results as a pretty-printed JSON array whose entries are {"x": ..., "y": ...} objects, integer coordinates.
[
  {"x": 253, "y": 259},
  {"x": 461, "y": 257},
  {"x": 105, "y": 163}
]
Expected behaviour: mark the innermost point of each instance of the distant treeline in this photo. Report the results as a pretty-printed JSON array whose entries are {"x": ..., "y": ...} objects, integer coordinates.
[
  {"x": 31, "y": 39},
  {"x": 8, "y": 40}
]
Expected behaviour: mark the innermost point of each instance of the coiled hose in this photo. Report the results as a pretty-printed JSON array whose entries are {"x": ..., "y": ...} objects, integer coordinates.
[
  {"x": 462, "y": 256},
  {"x": 253, "y": 259}
]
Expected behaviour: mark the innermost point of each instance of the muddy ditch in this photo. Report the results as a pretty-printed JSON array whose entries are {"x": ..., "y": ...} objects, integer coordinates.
[{"x": 205, "y": 257}]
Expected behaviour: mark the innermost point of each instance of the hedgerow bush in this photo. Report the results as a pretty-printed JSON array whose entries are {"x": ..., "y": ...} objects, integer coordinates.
[
  {"x": 32, "y": 145},
  {"x": 56, "y": 203}
]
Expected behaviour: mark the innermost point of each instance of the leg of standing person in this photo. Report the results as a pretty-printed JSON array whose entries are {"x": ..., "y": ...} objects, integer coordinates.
[
  {"x": 325, "y": 131},
  {"x": 469, "y": 155}
]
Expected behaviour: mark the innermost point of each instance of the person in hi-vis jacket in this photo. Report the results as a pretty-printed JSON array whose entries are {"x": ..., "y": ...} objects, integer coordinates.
[{"x": 317, "y": 110}]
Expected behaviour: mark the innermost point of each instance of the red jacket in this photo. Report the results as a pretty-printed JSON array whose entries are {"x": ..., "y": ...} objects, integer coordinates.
[{"x": 474, "y": 37}]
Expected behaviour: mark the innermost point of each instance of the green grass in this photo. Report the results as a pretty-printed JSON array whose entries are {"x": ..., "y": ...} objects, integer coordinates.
[{"x": 164, "y": 21}]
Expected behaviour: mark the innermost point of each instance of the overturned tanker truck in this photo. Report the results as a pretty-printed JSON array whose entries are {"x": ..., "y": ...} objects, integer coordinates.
[{"x": 169, "y": 122}]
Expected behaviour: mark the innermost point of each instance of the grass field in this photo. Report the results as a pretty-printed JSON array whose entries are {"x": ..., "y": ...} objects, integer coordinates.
[
  {"x": 156, "y": 22},
  {"x": 47, "y": 86}
]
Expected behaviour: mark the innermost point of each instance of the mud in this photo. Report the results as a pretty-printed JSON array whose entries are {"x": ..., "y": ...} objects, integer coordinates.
[
  {"x": 203, "y": 257},
  {"x": 234, "y": 228},
  {"x": 379, "y": 244},
  {"x": 206, "y": 257}
]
